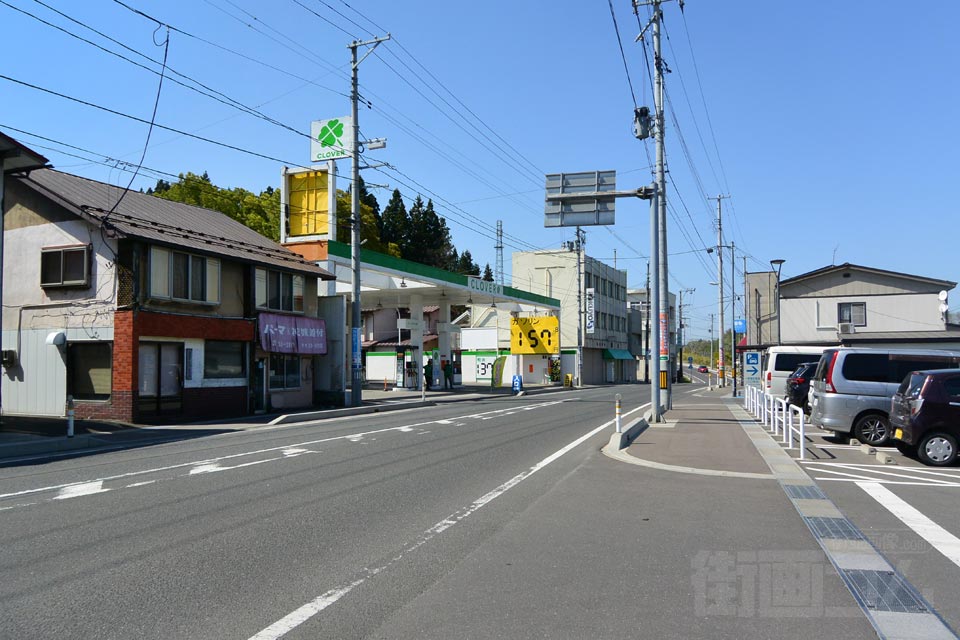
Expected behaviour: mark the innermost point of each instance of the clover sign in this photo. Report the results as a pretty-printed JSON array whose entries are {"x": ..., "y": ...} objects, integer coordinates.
[{"x": 331, "y": 133}]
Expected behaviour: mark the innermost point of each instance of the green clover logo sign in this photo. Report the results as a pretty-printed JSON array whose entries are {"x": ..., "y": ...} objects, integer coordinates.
[{"x": 331, "y": 133}]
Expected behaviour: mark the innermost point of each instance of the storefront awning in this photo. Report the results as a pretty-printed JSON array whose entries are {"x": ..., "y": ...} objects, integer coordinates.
[{"x": 617, "y": 354}]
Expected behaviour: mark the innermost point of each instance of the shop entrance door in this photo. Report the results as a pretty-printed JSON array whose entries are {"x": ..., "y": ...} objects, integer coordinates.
[{"x": 161, "y": 379}]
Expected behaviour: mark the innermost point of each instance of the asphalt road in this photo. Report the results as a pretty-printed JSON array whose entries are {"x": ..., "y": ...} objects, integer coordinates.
[
  {"x": 222, "y": 537},
  {"x": 495, "y": 518}
]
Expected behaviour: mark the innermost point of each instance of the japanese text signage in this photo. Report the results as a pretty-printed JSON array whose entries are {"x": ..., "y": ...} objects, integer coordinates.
[
  {"x": 590, "y": 322},
  {"x": 539, "y": 335},
  {"x": 292, "y": 334}
]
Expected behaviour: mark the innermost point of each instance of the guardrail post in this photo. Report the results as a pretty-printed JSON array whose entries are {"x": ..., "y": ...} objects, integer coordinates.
[
  {"x": 790, "y": 426},
  {"x": 619, "y": 425},
  {"x": 803, "y": 434}
]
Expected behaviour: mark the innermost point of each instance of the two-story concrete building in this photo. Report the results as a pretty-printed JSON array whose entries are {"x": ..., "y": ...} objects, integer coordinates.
[
  {"x": 143, "y": 309},
  {"x": 851, "y": 305}
]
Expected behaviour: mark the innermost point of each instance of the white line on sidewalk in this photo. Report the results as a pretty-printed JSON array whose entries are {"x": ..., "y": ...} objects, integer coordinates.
[
  {"x": 300, "y": 615},
  {"x": 941, "y": 539}
]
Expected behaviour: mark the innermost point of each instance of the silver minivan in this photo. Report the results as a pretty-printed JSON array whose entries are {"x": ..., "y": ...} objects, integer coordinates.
[{"x": 851, "y": 389}]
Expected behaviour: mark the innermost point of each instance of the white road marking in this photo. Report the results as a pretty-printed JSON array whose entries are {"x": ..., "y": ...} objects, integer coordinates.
[
  {"x": 896, "y": 482},
  {"x": 83, "y": 489},
  {"x": 210, "y": 461},
  {"x": 213, "y": 468},
  {"x": 859, "y": 471},
  {"x": 293, "y": 452},
  {"x": 300, "y": 615},
  {"x": 941, "y": 539}
]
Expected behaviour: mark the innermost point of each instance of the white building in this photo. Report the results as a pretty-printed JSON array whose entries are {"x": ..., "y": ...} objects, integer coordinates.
[{"x": 603, "y": 290}]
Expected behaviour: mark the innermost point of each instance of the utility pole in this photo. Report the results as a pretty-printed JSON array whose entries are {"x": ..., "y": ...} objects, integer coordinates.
[
  {"x": 646, "y": 346},
  {"x": 680, "y": 334},
  {"x": 711, "y": 350},
  {"x": 664, "y": 306},
  {"x": 722, "y": 382},
  {"x": 734, "y": 366},
  {"x": 499, "y": 248},
  {"x": 356, "y": 369},
  {"x": 580, "y": 311}
]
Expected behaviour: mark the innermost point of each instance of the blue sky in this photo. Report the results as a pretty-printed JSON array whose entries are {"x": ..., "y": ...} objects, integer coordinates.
[{"x": 831, "y": 125}]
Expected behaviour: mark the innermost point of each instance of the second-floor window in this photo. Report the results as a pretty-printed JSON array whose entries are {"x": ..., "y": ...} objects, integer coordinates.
[
  {"x": 175, "y": 275},
  {"x": 279, "y": 291},
  {"x": 65, "y": 267},
  {"x": 852, "y": 312}
]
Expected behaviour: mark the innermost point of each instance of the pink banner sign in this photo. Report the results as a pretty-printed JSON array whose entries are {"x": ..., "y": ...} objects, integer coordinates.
[{"x": 292, "y": 334}]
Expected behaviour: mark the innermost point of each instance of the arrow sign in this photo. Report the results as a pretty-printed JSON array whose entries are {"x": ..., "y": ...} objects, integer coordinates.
[{"x": 753, "y": 370}]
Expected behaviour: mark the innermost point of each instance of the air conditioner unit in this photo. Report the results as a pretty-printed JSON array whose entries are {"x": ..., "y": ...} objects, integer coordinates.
[
  {"x": 8, "y": 357},
  {"x": 846, "y": 328}
]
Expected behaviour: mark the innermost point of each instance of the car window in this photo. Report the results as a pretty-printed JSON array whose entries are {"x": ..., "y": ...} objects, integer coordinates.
[
  {"x": 901, "y": 366},
  {"x": 867, "y": 367},
  {"x": 952, "y": 386},
  {"x": 823, "y": 364},
  {"x": 790, "y": 361},
  {"x": 911, "y": 384}
]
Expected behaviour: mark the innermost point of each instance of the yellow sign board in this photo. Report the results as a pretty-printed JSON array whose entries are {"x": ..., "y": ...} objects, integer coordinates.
[
  {"x": 539, "y": 335},
  {"x": 309, "y": 204}
]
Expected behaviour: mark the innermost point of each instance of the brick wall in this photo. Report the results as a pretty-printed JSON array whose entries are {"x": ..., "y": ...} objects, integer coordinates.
[
  {"x": 177, "y": 326},
  {"x": 128, "y": 327}
]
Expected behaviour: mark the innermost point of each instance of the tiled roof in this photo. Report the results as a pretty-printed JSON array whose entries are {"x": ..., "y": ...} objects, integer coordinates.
[{"x": 165, "y": 222}]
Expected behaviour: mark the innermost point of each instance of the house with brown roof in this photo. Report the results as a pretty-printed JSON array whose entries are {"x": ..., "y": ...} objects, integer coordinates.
[{"x": 143, "y": 309}]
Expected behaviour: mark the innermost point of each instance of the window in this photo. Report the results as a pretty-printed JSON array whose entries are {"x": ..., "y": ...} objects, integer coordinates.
[
  {"x": 280, "y": 291},
  {"x": 284, "y": 372},
  {"x": 89, "y": 370},
  {"x": 855, "y": 312},
  {"x": 224, "y": 359},
  {"x": 182, "y": 276},
  {"x": 65, "y": 267},
  {"x": 952, "y": 387}
]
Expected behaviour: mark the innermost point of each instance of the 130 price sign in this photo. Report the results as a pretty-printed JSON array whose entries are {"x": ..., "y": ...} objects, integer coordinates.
[{"x": 539, "y": 335}]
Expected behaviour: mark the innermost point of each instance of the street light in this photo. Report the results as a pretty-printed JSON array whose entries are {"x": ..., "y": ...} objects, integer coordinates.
[{"x": 778, "y": 264}]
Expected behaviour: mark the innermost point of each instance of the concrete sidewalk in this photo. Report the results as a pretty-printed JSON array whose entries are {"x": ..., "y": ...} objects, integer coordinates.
[{"x": 22, "y": 436}]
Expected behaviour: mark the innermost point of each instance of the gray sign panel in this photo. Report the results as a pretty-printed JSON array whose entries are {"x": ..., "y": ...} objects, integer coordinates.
[{"x": 577, "y": 199}]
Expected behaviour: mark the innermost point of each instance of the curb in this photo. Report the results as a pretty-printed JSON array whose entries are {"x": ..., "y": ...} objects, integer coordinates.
[{"x": 630, "y": 432}]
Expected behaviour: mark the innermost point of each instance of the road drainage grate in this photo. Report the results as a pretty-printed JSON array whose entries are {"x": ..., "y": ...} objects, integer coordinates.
[
  {"x": 883, "y": 591},
  {"x": 835, "y": 528},
  {"x": 804, "y": 492}
]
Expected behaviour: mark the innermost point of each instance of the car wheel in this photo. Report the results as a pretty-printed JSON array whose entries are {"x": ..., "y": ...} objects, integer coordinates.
[
  {"x": 872, "y": 429},
  {"x": 937, "y": 449}
]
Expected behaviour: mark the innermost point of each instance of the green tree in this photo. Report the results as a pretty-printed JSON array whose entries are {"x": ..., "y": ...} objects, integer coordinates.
[
  {"x": 260, "y": 212},
  {"x": 396, "y": 222},
  {"x": 466, "y": 265},
  {"x": 488, "y": 273}
]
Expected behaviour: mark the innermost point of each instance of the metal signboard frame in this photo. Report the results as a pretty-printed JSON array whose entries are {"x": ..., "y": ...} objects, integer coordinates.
[{"x": 580, "y": 199}]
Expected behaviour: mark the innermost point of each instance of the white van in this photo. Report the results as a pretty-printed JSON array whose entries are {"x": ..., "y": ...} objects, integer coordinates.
[{"x": 780, "y": 362}]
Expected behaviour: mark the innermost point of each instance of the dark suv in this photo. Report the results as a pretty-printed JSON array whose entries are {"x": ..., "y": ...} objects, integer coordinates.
[
  {"x": 925, "y": 416},
  {"x": 798, "y": 385}
]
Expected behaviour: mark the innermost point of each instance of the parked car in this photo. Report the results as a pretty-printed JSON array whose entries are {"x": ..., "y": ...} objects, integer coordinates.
[
  {"x": 780, "y": 362},
  {"x": 852, "y": 387},
  {"x": 703, "y": 369},
  {"x": 925, "y": 416},
  {"x": 798, "y": 385}
]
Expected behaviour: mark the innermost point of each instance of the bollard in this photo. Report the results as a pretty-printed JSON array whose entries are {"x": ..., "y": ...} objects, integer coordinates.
[
  {"x": 619, "y": 425},
  {"x": 69, "y": 416}
]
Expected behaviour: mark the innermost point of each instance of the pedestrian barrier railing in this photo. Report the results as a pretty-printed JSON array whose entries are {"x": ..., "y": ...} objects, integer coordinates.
[
  {"x": 778, "y": 416},
  {"x": 799, "y": 429}
]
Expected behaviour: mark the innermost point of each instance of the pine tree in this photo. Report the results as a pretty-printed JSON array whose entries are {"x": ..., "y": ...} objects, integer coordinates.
[
  {"x": 488, "y": 273},
  {"x": 396, "y": 223}
]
